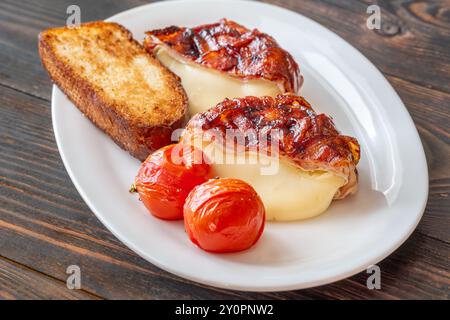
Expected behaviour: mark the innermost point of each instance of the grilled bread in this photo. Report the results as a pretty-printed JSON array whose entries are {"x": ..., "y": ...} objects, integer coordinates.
[{"x": 119, "y": 86}]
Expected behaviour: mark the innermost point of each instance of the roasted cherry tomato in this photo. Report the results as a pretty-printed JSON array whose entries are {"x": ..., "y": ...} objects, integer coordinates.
[
  {"x": 224, "y": 215},
  {"x": 167, "y": 176}
]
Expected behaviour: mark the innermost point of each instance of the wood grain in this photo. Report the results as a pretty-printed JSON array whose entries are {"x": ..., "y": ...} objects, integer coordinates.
[
  {"x": 20, "y": 282},
  {"x": 416, "y": 51},
  {"x": 45, "y": 226}
]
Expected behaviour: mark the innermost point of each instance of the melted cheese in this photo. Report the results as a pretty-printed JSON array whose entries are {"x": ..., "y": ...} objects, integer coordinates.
[
  {"x": 288, "y": 193},
  {"x": 206, "y": 87}
]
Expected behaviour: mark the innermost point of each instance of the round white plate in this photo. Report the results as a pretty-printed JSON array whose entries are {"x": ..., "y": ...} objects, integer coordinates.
[{"x": 352, "y": 235}]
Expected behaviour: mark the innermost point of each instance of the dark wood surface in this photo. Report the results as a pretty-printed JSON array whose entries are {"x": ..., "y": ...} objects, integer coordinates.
[{"x": 45, "y": 226}]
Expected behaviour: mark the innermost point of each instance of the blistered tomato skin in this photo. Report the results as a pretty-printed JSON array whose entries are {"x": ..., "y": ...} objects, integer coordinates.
[
  {"x": 164, "y": 180},
  {"x": 224, "y": 215}
]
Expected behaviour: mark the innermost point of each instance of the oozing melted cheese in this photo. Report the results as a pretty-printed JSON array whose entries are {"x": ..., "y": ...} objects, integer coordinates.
[
  {"x": 288, "y": 193},
  {"x": 205, "y": 87}
]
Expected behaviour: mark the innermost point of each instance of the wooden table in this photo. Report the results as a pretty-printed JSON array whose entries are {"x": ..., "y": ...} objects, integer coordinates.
[{"x": 45, "y": 226}]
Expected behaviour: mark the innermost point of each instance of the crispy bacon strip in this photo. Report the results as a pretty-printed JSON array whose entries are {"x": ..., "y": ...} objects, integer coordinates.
[
  {"x": 309, "y": 140},
  {"x": 232, "y": 48}
]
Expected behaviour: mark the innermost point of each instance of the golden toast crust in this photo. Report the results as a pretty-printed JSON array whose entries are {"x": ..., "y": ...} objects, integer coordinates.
[{"x": 139, "y": 107}]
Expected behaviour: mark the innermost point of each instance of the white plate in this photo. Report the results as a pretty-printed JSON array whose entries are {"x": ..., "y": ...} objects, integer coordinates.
[{"x": 352, "y": 235}]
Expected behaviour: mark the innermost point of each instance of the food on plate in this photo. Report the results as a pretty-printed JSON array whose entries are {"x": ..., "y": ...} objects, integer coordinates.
[
  {"x": 224, "y": 215},
  {"x": 167, "y": 176},
  {"x": 224, "y": 60},
  {"x": 121, "y": 88},
  {"x": 310, "y": 163},
  {"x": 130, "y": 92}
]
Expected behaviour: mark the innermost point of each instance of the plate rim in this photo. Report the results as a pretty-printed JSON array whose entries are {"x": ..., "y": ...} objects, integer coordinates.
[{"x": 219, "y": 284}]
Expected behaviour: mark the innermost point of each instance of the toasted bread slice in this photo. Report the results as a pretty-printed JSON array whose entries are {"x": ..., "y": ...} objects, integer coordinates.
[{"x": 119, "y": 86}]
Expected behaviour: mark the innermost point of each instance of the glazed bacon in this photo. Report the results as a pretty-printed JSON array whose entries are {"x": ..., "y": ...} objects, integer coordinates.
[
  {"x": 309, "y": 140},
  {"x": 232, "y": 48}
]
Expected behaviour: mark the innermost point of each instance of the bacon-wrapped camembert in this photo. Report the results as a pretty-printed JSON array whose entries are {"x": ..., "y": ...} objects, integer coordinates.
[
  {"x": 224, "y": 60},
  {"x": 311, "y": 165}
]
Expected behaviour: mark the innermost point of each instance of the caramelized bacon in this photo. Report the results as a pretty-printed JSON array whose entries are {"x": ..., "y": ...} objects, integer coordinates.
[
  {"x": 229, "y": 47},
  {"x": 308, "y": 140}
]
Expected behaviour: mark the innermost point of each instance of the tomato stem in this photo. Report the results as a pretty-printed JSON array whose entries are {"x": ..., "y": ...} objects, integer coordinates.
[{"x": 132, "y": 188}]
